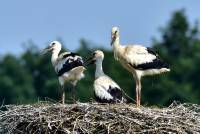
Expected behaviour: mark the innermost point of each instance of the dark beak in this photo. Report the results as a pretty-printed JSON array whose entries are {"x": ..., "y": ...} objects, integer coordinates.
[
  {"x": 47, "y": 49},
  {"x": 113, "y": 39},
  {"x": 89, "y": 61}
]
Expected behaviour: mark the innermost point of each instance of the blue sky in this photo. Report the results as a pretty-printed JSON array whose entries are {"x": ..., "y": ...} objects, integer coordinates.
[{"x": 45, "y": 20}]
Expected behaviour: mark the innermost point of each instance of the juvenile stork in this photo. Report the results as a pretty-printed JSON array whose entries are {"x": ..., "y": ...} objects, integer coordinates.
[
  {"x": 138, "y": 60},
  {"x": 68, "y": 67},
  {"x": 105, "y": 89}
]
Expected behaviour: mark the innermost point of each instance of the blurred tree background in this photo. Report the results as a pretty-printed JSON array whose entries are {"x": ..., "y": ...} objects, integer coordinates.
[{"x": 30, "y": 77}]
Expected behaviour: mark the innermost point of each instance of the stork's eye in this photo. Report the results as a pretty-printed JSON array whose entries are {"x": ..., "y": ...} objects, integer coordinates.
[
  {"x": 94, "y": 54},
  {"x": 53, "y": 44}
]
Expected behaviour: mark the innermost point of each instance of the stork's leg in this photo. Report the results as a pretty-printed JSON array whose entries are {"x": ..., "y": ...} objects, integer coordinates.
[
  {"x": 137, "y": 88},
  {"x": 74, "y": 92},
  {"x": 139, "y": 92},
  {"x": 63, "y": 94}
]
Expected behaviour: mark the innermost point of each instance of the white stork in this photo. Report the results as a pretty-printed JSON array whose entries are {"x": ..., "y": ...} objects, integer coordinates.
[
  {"x": 138, "y": 60},
  {"x": 105, "y": 89},
  {"x": 68, "y": 66}
]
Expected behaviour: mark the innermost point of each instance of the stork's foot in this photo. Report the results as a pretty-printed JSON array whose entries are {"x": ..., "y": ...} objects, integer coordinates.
[
  {"x": 63, "y": 98},
  {"x": 137, "y": 104},
  {"x": 74, "y": 101},
  {"x": 63, "y": 95},
  {"x": 63, "y": 102}
]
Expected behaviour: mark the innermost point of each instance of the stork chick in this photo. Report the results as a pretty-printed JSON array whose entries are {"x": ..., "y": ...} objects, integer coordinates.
[
  {"x": 68, "y": 67},
  {"x": 138, "y": 60},
  {"x": 105, "y": 89}
]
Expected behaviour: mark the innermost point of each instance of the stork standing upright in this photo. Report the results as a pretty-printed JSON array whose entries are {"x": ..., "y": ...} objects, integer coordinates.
[
  {"x": 105, "y": 89},
  {"x": 68, "y": 66},
  {"x": 138, "y": 60}
]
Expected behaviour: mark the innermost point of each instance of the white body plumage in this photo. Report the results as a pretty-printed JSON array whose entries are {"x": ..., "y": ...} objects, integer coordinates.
[
  {"x": 75, "y": 72},
  {"x": 68, "y": 66},
  {"x": 105, "y": 89},
  {"x": 102, "y": 85},
  {"x": 135, "y": 57},
  {"x": 138, "y": 60}
]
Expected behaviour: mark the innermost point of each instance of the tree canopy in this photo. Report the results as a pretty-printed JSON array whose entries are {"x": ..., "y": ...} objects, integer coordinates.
[{"x": 30, "y": 77}]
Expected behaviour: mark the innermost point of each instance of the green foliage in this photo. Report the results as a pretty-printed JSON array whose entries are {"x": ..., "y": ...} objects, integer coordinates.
[
  {"x": 15, "y": 81},
  {"x": 30, "y": 77},
  {"x": 180, "y": 46}
]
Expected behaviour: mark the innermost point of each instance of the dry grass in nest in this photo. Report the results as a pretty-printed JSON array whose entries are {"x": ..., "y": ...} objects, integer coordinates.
[{"x": 92, "y": 118}]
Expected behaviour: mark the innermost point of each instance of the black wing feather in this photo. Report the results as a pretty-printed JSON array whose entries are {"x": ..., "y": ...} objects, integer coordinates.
[
  {"x": 155, "y": 64},
  {"x": 100, "y": 100},
  {"x": 70, "y": 54},
  {"x": 115, "y": 92},
  {"x": 70, "y": 63},
  {"x": 151, "y": 51}
]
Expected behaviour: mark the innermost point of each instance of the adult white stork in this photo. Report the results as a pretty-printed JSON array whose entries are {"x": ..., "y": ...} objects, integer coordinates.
[
  {"x": 105, "y": 89},
  {"x": 68, "y": 66},
  {"x": 138, "y": 60}
]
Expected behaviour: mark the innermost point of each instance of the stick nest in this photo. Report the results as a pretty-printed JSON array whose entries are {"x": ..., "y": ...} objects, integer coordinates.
[{"x": 44, "y": 118}]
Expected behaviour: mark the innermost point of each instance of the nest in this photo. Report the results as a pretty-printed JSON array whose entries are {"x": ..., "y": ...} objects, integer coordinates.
[{"x": 44, "y": 118}]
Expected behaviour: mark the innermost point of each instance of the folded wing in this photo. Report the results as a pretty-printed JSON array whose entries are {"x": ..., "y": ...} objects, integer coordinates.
[{"x": 67, "y": 61}]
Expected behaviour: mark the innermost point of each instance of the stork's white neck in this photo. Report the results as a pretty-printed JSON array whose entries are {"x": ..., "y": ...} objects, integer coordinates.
[
  {"x": 117, "y": 41},
  {"x": 99, "y": 70},
  {"x": 54, "y": 56},
  {"x": 118, "y": 48}
]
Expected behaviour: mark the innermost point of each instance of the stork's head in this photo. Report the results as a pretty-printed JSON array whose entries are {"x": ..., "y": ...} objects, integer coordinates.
[
  {"x": 54, "y": 46},
  {"x": 114, "y": 34},
  {"x": 97, "y": 56}
]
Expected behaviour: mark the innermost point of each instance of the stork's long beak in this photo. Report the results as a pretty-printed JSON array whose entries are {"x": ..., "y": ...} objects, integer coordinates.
[
  {"x": 113, "y": 37},
  {"x": 89, "y": 61},
  {"x": 47, "y": 49}
]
